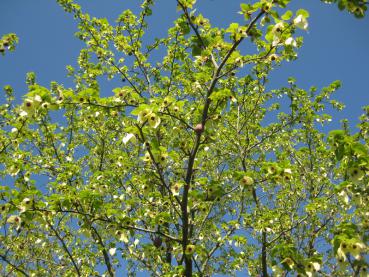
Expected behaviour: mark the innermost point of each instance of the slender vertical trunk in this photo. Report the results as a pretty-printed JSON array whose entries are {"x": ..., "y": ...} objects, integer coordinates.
[
  {"x": 168, "y": 257},
  {"x": 168, "y": 254},
  {"x": 264, "y": 255},
  {"x": 185, "y": 214},
  {"x": 188, "y": 265},
  {"x": 185, "y": 231}
]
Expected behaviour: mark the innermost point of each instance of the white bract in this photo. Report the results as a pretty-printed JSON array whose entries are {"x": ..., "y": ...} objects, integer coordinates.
[
  {"x": 290, "y": 41},
  {"x": 301, "y": 22}
]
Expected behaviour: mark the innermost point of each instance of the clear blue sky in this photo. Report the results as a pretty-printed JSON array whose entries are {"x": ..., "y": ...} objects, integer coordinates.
[{"x": 336, "y": 45}]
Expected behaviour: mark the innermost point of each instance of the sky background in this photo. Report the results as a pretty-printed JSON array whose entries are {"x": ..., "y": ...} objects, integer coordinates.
[{"x": 336, "y": 45}]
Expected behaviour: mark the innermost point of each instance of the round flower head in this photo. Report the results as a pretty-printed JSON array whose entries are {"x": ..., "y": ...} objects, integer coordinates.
[
  {"x": 278, "y": 29},
  {"x": 154, "y": 120},
  {"x": 356, "y": 249},
  {"x": 247, "y": 181},
  {"x": 311, "y": 268},
  {"x": 25, "y": 205},
  {"x": 176, "y": 189},
  {"x": 273, "y": 57},
  {"x": 355, "y": 174},
  {"x": 288, "y": 262},
  {"x": 29, "y": 106},
  {"x": 14, "y": 219},
  {"x": 147, "y": 157},
  {"x": 190, "y": 249},
  {"x": 343, "y": 250},
  {"x": 144, "y": 115},
  {"x": 45, "y": 105}
]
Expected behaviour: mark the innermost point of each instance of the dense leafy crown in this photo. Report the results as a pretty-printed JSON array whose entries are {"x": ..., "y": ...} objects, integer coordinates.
[{"x": 190, "y": 167}]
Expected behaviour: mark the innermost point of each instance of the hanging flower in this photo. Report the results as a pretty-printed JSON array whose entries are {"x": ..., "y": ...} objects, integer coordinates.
[
  {"x": 163, "y": 157},
  {"x": 344, "y": 197},
  {"x": 290, "y": 41},
  {"x": 301, "y": 22},
  {"x": 14, "y": 170},
  {"x": 190, "y": 249},
  {"x": 343, "y": 250},
  {"x": 273, "y": 57},
  {"x": 342, "y": 262},
  {"x": 287, "y": 174},
  {"x": 176, "y": 189},
  {"x": 37, "y": 99},
  {"x": 60, "y": 100},
  {"x": 154, "y": 120},
  {"x": 120, "y": 92},
  {"x": 278, "y": 29},
  {"x": 272, "y": 169},
  {"x": 15, "y": 220},
  {"x": 356, "y": 249},
  {"x": 143, "y": 115},
  {"x": 23, "y": 113},
  {"x": 25, "y": 205},
  {"x": 128, "y": 137},
  {"x": 147, "y": 157},
  {"x": 45, "y": 105},
  {"x": 288, "y": 262},
  {"x": 175, "y": 109},
  {"x": 247, "y": 181},
  {"x": 112, "y": 251},
  {"x": 311, "y": 269},
  {"x": 356, "y": 174},
  {"x": 29, "y": 106},
  {"x": 167, "y": 101},
  {"x": 122, "y": 236}
]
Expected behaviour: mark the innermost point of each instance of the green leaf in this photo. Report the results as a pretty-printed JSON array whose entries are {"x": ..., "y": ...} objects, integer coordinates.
[
  {"x": 359, "y": 149},
  {"x": 220, "y": 94},
  {"x": 287, "y": 15},
  {"x": 302, "y": 12},
  {"x": 336, "y": 135},
  {"x": 89, "y": 93},
  {"x": 196, "y": 50},
  {"x": 140, "y": 108},
  {"x": 341, "y": 5},
  {"x": 233, "y": 27}
]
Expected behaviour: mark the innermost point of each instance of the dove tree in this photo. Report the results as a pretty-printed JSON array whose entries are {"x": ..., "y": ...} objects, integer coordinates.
[{"x": 192, "y": 167}]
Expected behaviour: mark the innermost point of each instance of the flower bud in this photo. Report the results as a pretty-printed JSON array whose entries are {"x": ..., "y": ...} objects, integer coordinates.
[{"x": 199, "y": 128}]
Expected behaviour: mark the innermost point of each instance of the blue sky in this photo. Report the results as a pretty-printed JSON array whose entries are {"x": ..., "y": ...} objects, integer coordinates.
[{"x": 336, "y": 45}]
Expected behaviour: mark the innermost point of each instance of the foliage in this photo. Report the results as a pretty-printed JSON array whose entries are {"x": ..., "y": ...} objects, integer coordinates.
[
  {"x": 356, "y": 7},
  {"x": 191, "y": 166},
  {"x": 8, "y": 42}
]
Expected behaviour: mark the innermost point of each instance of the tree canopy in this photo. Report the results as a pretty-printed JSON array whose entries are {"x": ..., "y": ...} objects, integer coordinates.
[{"x": 192, "y": 167}]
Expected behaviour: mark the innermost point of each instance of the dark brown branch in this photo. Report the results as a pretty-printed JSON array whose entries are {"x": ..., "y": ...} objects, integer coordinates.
[
  {"x": 65, "y": 247},
  {"x": 13, "y": 265},
  {"x": 105, "y": 253},
  {"x": 192, "y": 156}
]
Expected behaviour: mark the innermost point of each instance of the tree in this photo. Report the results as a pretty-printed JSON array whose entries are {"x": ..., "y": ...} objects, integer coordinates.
[{"x": 178, "y": 173}]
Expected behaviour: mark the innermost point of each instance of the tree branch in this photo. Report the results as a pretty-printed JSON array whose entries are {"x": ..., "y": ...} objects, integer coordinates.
[
  {"x": 13, "y": 265},
  {"x": 65, "y": 248}
]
